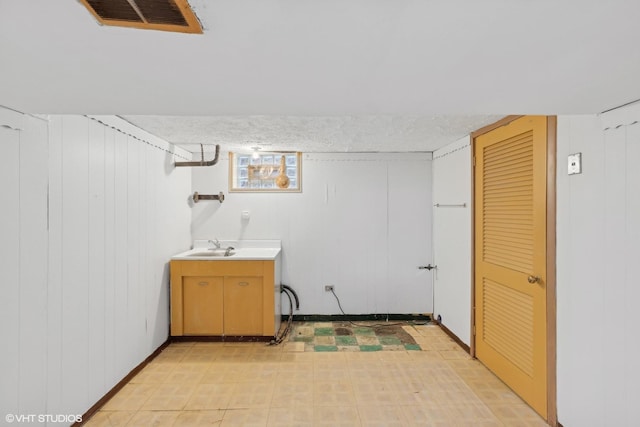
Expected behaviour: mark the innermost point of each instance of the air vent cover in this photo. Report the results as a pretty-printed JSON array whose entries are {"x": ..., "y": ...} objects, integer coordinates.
[{"x": 164, "y": 15}]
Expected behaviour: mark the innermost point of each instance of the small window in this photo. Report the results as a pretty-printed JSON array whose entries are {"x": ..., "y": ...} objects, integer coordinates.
[{"x": 265, "y": 172}]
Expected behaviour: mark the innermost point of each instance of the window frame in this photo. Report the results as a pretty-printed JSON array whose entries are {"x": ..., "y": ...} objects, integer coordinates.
[{"x": 234, "y": 173}]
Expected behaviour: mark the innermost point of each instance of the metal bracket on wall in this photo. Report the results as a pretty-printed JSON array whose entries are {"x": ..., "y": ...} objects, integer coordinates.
[
  {"x": 202, "y": 162},
  {"x": 455, "y": 205},
  {"x": 197, "y": 197}
]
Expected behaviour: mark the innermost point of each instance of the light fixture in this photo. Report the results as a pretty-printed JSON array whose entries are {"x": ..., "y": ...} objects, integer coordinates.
[{"x": 255, "y": 155}]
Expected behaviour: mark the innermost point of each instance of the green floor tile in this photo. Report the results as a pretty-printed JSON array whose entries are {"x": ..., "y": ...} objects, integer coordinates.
[
  {"x": 370, "y": 347},
  {"x": 389, "y": 340},
  {"x": 325, "y": 348},
  {"x": 363, "y": 331},
  {"x": 346, "y": 340},
  {"x": 345, "y": 336},
  {"x": 324, "y": 332},
  {"x": 412, "y": 347}
]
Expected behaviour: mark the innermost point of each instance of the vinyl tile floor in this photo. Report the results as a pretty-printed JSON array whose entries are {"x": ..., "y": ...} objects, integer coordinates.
[
  {"x": 251, "y": 384},
  {"x": 354, "y": 336}
]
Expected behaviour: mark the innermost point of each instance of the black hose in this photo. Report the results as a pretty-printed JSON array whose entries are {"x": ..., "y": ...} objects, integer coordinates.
[
  {"x": 277, "y": 340},
  {"x": 288, "y": 291},
  {"x": 288, "y": 288}
]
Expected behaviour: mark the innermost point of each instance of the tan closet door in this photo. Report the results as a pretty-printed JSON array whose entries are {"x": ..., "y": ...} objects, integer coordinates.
[{"x": 510, "y": 256}]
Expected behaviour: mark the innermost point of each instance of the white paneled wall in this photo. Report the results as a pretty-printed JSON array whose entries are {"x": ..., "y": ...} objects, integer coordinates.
[
  {"x": 90, "y": 216},
  {"x": 9, "y": 260},
  {"x": 598, "y": 287},
  {"x": 452, "y": 237},
  {"x": 23, "y": 261},
  {"x": 362, "y": 224}
]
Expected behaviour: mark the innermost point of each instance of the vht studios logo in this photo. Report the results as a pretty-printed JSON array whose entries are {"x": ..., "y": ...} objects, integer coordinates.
[{"x": 43, "y": 418}]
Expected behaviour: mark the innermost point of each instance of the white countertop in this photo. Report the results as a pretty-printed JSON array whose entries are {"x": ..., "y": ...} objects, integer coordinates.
[{"x": 244, "y": 250}]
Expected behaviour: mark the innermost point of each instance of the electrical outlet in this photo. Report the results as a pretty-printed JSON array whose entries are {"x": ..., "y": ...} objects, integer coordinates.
[{"x": 328, "y": 288}]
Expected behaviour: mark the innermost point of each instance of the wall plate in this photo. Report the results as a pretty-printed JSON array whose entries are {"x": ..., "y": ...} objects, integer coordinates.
[{"x": 574, "y": 163}]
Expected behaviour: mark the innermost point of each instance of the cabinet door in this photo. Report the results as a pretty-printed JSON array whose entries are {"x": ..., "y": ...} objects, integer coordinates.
[
  {"x": 243, "y": 303},
  {"x": 202, "y": 305}
]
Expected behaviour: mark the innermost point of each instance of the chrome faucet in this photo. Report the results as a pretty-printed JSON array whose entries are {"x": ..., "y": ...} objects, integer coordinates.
[
  {"x": 215, "y": 242},
  {"x": 227, "y": 251}
]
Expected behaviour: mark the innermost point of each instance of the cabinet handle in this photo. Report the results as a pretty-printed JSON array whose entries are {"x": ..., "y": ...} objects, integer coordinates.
[
  {"x": 203, "y": 283},
  {"x": 243, "y": 283}
]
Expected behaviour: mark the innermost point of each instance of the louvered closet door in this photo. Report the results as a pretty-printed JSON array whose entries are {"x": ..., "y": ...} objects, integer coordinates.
[{"x": 510, "y": 256}]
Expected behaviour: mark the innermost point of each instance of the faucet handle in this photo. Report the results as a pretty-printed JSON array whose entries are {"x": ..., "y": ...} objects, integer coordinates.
[{"x": 215, "y": 242}]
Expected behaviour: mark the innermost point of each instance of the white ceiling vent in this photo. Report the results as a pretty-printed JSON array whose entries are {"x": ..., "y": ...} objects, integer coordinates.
[{"x": 163, "y": 15}]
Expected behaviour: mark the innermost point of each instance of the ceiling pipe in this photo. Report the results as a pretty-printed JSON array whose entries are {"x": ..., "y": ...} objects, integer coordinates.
[{"x": 202, "y": 162}]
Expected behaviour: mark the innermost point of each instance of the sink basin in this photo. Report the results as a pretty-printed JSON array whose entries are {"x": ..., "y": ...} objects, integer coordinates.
[
  {"x": 245, "y": 250},
  {"x": 212, "y": 253}
]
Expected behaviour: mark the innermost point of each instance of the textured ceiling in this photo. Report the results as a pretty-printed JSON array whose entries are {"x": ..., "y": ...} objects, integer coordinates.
[
  {"x": 366, "y": 62},
  {"x": 312, "y": 134}
]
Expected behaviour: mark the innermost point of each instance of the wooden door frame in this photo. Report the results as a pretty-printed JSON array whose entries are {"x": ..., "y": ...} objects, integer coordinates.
[{"x": 552, "y": 417}]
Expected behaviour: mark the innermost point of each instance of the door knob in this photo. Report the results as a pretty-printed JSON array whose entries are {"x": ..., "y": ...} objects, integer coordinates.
[
  {"x": 427, "y": 267},
  {"x": 533, "y": 279}
]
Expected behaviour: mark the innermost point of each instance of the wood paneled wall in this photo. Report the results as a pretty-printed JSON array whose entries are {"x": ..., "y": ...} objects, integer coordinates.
[
  {"x": 23, "y": 263},
  {"x": 452, "y": 237},
  {"x": 598, "y": 251},
  {"x": 362, "y": 223},
  {"x": 89, "y": 219}
]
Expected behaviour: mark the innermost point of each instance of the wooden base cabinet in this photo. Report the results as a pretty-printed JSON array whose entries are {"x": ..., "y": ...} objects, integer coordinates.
[
  {"x": 243, "y": 305},
  {"x": 224, "y": 298},
  {"x": 202, "y": 305}
]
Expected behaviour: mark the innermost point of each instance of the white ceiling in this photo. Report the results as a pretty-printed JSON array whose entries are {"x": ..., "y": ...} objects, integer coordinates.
[
  {"x": 312, "y": 134},
  {"x": 319, "y": 75}
]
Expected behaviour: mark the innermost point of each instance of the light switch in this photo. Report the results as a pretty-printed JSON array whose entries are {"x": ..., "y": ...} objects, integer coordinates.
[
  {"x": 575, "y": 163},
  {"x": 245, "y": 215}
]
